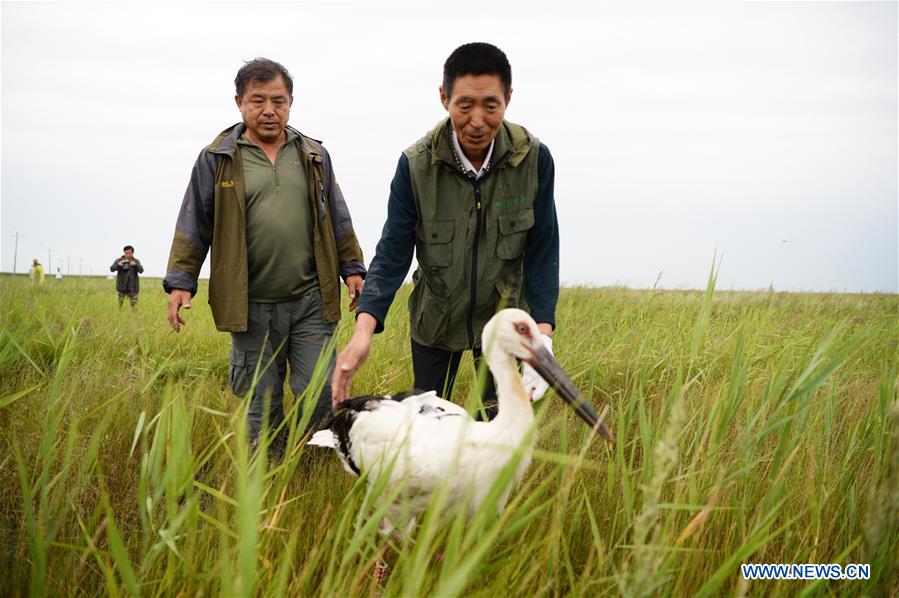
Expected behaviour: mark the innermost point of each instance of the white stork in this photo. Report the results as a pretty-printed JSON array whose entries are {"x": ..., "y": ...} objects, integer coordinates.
[{"x": 427, "y": 442}]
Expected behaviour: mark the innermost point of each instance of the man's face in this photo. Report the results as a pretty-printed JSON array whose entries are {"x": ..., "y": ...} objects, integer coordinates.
[
  {"x": 129, "y": 253},
  {"x": 476, "y": 108},
  {"x": 265, "y": 108}
]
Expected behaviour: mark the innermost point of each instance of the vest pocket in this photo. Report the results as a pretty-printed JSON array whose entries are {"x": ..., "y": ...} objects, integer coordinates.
[
  {"x": 430, "y": 313},
  {"x": 513, "y": 232},
  {"x": 436, "y": 245}
]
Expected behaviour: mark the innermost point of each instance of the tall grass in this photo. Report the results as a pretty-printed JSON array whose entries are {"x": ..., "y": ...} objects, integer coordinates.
[{"x": 752, "y": 427}]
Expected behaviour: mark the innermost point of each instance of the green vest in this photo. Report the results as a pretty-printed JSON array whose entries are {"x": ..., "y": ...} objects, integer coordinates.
[{"x": 470, "y": 236}]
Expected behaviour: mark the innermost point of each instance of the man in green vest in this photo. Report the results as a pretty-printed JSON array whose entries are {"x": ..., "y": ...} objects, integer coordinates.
[
  {"x": 263, "y": 197},
  {"x": 474, "y": 200}
]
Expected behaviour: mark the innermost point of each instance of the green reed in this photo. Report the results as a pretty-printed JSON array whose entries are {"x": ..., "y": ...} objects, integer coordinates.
[{"x": 752, "y": 427}]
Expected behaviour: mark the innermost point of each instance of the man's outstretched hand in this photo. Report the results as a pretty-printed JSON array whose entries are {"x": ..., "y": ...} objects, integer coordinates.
[
  {"x": 351, "y": 359},
  {"x": 354, "y": 289},
  {"x": 178, "y": 299}
]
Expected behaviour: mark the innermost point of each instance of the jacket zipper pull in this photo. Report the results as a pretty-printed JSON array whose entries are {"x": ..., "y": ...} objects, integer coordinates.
[
  {"x": 477, "y": 190},
  {"x": 321, "y": 201}
]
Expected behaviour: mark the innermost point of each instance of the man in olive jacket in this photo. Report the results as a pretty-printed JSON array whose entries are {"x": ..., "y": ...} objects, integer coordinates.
[
  {"x": 474, "y": 200},
  {"x": 263, "y": 197},
  {"x": 128, "y": 269}
]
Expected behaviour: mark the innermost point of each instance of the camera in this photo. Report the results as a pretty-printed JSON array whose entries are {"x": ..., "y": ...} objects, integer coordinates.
[{"x": 126, "y": 264}]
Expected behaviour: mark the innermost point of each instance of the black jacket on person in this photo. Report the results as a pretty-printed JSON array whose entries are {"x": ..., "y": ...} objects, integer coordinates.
[{"x": 127, "y": 276}]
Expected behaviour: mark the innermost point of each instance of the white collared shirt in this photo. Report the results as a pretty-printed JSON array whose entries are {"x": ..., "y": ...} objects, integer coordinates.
[{"x": 466, "y": 163}]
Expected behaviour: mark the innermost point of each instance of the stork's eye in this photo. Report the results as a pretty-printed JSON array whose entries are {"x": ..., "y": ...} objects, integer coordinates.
[{"x": 521, "y": 328}]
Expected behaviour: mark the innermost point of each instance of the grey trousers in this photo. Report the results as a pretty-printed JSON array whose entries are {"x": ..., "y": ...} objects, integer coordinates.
[
  {"x": 132, "y": 297},
  {"x": 295, "y": 334}
]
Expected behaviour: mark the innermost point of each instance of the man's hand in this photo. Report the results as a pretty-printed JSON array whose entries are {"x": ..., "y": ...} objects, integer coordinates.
[
  {"x": 354, "y": 288},
  {"x": 178, "y": 299},
  {"x": 351, "y": 359},
  {"x": 534, "y": 384}
]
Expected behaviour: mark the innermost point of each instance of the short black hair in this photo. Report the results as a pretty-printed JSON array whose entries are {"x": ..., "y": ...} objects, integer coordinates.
[
  {"x": 477, "y": 58},
  {"x": 261, "y": 70},
  {"x": 127, "y": 247}
]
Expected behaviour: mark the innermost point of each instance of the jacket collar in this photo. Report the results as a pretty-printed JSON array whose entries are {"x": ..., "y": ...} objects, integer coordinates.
[
  {"x": 511, "y": 145},
  {"x": 226, "y": 142}
]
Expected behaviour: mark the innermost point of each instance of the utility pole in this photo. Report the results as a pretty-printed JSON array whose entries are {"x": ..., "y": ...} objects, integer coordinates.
[
  {"x": 69, "y": 257},
  {"x": 80, "y": 262},
  {"x": 15, "y": 253},
  {"x": 49, "y": 257}
]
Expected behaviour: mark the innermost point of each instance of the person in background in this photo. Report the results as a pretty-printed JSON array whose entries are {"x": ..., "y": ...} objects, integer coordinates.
[
  {"x": 474, "y": 200},
  {"x": 58, "y": 273},
  {"x": 37, "y": 273},
  {"x": 128, "y": 269},
  {"x": 263, "y": 197}
]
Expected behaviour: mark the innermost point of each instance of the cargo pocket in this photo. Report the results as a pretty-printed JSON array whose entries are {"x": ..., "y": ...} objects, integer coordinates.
[
  {"x": 239, "y": 375},
  {"x": 436, "y": 245},
  {"x": 430, "y": 315},
  {"x": 513, "y": 233}
]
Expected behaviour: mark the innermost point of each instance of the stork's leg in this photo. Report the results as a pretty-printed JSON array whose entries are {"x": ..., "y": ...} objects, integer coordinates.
[
  {"x": 387, "y": 528},
  {"x": 380, "y": 570}
]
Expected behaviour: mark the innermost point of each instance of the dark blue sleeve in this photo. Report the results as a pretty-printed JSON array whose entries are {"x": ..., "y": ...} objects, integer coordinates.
[
  {"x": 541, "y": 252},
  {"x": 193, "y": 230},
  {"x": 393, "y": 255}
]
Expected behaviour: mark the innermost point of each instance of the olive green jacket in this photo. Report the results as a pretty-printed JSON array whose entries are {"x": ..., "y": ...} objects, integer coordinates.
[
  {"x": 470, "y": 235},
  {"x": 480, "y": 244},
  {"x": 127, "y": 278},
  {"x": 213, "y": 216}
]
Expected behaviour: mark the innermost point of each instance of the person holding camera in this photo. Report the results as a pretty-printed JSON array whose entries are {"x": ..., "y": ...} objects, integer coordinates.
[{"x": 127, "y": 269}]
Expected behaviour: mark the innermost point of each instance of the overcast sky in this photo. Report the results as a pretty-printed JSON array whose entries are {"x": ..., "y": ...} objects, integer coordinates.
[{"x": 764, "y": 131}]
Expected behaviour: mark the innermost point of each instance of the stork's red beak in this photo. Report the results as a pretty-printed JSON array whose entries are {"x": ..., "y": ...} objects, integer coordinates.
[{"x": 549, "y": 369}]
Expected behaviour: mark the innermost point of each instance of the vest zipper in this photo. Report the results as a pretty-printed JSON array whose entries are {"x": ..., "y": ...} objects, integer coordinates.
[{"x": 474, "y": 259}]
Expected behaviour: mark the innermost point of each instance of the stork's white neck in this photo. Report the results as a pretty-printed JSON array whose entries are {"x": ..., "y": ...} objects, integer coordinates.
[{"x": 515, "y": 410}]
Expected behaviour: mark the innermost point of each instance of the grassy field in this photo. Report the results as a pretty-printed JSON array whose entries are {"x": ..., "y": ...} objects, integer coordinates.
[{"x": 752, "y": 428}]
